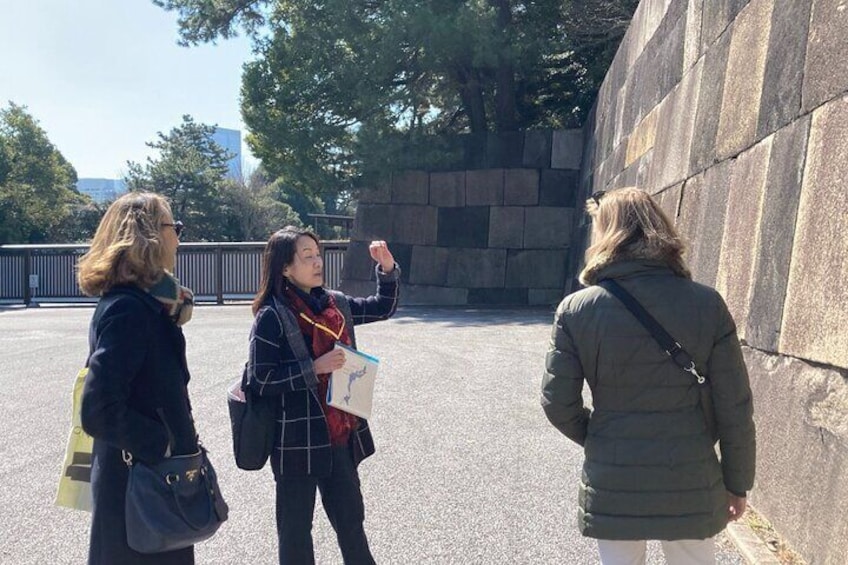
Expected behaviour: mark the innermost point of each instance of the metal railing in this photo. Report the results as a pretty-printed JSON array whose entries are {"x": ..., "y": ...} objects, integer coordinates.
[{"x": 215, "y": 271}]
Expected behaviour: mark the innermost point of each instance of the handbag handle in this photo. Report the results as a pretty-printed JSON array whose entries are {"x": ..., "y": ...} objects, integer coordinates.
[
  {"x": 209, "y": 494},
  {"x": 671, "y": 346}
]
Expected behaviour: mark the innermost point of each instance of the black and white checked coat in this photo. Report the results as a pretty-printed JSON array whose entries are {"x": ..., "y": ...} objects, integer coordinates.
[{"x": 280, "y": 364}]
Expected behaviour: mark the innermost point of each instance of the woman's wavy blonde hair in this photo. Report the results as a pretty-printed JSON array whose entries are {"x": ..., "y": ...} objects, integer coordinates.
[
  {"x": 127, "y": 247},
  {"x": 629, "y": 224}
]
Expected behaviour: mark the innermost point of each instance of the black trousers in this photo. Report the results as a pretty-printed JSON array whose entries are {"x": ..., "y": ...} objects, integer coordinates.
[{"x": 342, "y": 500}]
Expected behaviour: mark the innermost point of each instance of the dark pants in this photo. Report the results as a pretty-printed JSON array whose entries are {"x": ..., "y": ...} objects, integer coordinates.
[{"x": 342, "y": 500}]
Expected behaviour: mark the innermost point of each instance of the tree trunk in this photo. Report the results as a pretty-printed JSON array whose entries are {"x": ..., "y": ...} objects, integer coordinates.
[
  {"x": 505, "y": 103},
  {"x": 471, "y": 93}
]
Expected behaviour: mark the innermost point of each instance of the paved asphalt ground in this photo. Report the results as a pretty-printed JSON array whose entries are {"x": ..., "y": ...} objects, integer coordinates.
[{"x": 467, "y": 468}]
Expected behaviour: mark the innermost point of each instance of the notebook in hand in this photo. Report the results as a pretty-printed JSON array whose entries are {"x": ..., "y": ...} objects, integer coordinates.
[{"x": 351, "y": 388}]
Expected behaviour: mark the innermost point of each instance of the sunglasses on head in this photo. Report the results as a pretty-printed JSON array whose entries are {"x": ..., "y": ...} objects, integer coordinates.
[
  {"x": 178, "y": 226},
  {"x": 596, "y": 197}
]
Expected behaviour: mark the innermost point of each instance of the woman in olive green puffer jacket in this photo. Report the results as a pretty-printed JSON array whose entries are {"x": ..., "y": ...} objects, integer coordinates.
[{"x": 651, "y": 470}]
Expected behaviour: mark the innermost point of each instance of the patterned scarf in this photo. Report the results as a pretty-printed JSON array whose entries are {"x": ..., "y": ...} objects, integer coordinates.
[
  {"x": 177, "y": 301},
  {"x": 323, "y": 328}
]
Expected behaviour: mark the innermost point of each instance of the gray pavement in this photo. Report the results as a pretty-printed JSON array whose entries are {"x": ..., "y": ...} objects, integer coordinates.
[{"x": 467, "y": 468}]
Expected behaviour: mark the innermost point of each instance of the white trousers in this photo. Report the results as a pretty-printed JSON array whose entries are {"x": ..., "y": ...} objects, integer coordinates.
[{"x": 680, "y": 552}]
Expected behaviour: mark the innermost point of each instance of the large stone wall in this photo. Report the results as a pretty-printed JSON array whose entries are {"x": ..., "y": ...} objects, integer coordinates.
[
  {"x": 497, "y": 230},
  {"x": 734, "y": 114}
]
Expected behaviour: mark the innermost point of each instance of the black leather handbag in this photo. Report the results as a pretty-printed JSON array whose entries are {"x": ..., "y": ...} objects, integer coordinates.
[
  {"x": 173, "y": 504},
  {"x": 253, "y": 420},
  {"x": 673, "y": 349}
]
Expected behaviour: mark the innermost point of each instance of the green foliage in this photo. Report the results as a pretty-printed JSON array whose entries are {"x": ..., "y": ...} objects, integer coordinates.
[
  {"x": 37, "y": 184},
  {"x": 340, "y": 88},
  {"x": 251, "y": 212}
]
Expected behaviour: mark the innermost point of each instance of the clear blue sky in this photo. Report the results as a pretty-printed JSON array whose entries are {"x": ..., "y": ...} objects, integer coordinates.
[{"x": 103, "y": 76}]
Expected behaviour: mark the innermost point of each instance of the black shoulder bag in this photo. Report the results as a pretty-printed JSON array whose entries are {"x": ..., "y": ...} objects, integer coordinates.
[
  {"x": 253, "y": 420},
  {"x": 672, "y": 348}
]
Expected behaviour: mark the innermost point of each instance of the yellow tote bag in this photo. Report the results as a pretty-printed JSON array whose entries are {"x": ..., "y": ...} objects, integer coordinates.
[{"x": 75, "y": 482}]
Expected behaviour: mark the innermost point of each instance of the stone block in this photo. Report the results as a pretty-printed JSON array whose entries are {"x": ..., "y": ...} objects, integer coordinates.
[
  {"x": 477, "y": 268},
  {"x": 545, "y": 296},
  {"x": 484, "y": 187},
  {"x": 826, "y": 68},
  {"x": 504, "y": 149},
  {"x": 815, "y": 316},
  {"x": 423, "y": 295},
  {"x": 410, "y": 187},
  {"x": 497, "y": 296},
  {"x": 642, "y": 139},
  {"x": 359, "y": 288},
  {"x": 429, "y": 265},
  {"x": 802, "y": 439},
  {"x": 537, "y": 149},
  {"x": 703, "y": 151},
  {"x": 474, "y": 149},
  {"x": 746, "y": 65},
  {"x": 447, "y": 188},
  {"x": 558, "y": 188},
  {"x": 372, "y": 221},
  {"x": 567, "y": 149},
  {"x": 536, "y": 268},
  {"x": 784, "y": 75},
  {"x": 506, "y": 226},
  {"x": 548, "y": 228},
  {"x": 692, "y": 43},
  {"x": 463, "y": 227},
  {"x": 380, "y": 193},
  {"x": 741, "y": 228},
  {"x": 676, "y": 121},
  {"x": 718, "y": 14},
  {"x": 777, "y": 229},
  {"x": 669, "y": 201},
  {"x": 415, "y": 225},
  {"x": 358, "y": 264},
  {"x": 521, "y": 187},
  {"x": 402, "y": 253}
]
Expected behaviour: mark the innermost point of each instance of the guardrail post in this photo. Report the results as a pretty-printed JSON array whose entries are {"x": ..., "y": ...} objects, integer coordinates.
[
  {"x": 219, "y": 274},
  {"x": 26, "y": 271}
]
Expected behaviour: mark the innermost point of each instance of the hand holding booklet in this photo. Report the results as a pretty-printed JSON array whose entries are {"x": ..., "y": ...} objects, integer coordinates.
[{"x": 351, "y": 388}]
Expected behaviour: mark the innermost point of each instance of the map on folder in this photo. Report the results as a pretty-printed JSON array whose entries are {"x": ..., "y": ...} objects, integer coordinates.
[{"x": 352, "y": 387}]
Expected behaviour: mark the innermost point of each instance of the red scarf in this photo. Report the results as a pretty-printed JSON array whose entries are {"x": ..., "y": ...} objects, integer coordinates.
[{"x": 323, "y": 329}]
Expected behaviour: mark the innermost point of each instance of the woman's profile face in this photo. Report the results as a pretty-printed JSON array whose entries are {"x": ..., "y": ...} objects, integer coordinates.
[
  {"x": 170, "y": 241},
  {"x": 306, "y": 271}
]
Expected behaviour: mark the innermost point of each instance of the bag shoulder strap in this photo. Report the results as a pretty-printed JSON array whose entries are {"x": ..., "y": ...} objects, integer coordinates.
[{"x": 671, "y": 346}]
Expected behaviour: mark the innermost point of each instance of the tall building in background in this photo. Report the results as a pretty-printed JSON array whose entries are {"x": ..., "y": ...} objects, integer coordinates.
[
  {"x": 230, "y": 140},
  {"x": 102, "y": 190}
]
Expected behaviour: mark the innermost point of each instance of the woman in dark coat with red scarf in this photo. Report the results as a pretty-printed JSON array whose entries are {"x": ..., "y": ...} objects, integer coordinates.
[{"x": 292, "y": 354}]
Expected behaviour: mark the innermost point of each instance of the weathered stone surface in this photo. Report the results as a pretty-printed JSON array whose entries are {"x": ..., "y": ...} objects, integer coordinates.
[
  {"x": 643, "y": 28},
  {"x": 703, "y": 151},
  {"x": 423, "y": 295},
  {"x": 463, "y": 227},
  {"x": 504, "y": 149},
  {"x": 537, "y": 149},
  {"x": 781, "y": 98},
  {"x": 358, "y": 264},
  {"x": 359, "y": 288},
  {"x": 643, "y": 137},
  {"x": 718, "y": 14},
  {"x": 543, "y": 296},
  {"x": 380, "y": 193},
  {"x": 484, "y": 187},
  {"x": 477, "y": 268},
  {"x": 372, "y": 221},
  {"x": 826, "y": 69},
  {"x": 536, "y": 269},
  {"x": 692, "y": 43},
  {"x": 414, "y": 224},
  {"x": 497, "y": 296},
  {"x": 815, "y": 316},
  {"x": 669, "y": 201},
  {"x": 447, "y": 188},
  {"x": 548, "y": 228},
  {"x": 689, "y": 216},
  {"x": 777, "y": 230},
  {"x": 506, "y": 226},
  {"x": 558, "y": 188},
  {"x": 676, "y": 121},
  {"x": 410, "y": 187},
  {"x": 741, "y": 229},
  {"x": 802, "y": 440},
  {"x": 402, "y": 253},
  {"x": 429, "y": 265},
  {"x": 521, "y": 187},
  {"x": 708, "y": 229},
  {"x": 746, "y": 66},
  {"x": 567, "y": 151}
]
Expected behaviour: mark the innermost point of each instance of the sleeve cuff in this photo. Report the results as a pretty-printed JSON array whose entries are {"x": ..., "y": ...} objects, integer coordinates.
[{"x": 394, "y": 276}]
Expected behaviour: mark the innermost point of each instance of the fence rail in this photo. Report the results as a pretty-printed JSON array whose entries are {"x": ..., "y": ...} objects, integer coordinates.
[{"x": 215, "y": 271}]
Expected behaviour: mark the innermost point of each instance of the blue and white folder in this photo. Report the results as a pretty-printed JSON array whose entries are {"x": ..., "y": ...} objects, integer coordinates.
[{"x": 351, "y": 388}]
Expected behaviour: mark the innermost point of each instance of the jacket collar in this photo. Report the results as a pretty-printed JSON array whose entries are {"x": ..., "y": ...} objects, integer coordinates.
[
  {"x": 632, "y": 268},
  {"x": 133, "y": 290}
]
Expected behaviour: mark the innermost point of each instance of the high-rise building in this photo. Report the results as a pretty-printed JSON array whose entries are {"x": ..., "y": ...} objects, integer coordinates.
[
  {"x": 230, "y": 140},
  {"x": 102, "y": 190}
]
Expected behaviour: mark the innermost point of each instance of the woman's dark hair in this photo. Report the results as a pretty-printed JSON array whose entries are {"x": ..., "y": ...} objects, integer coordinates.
[{"x": 279, "y": 252}]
